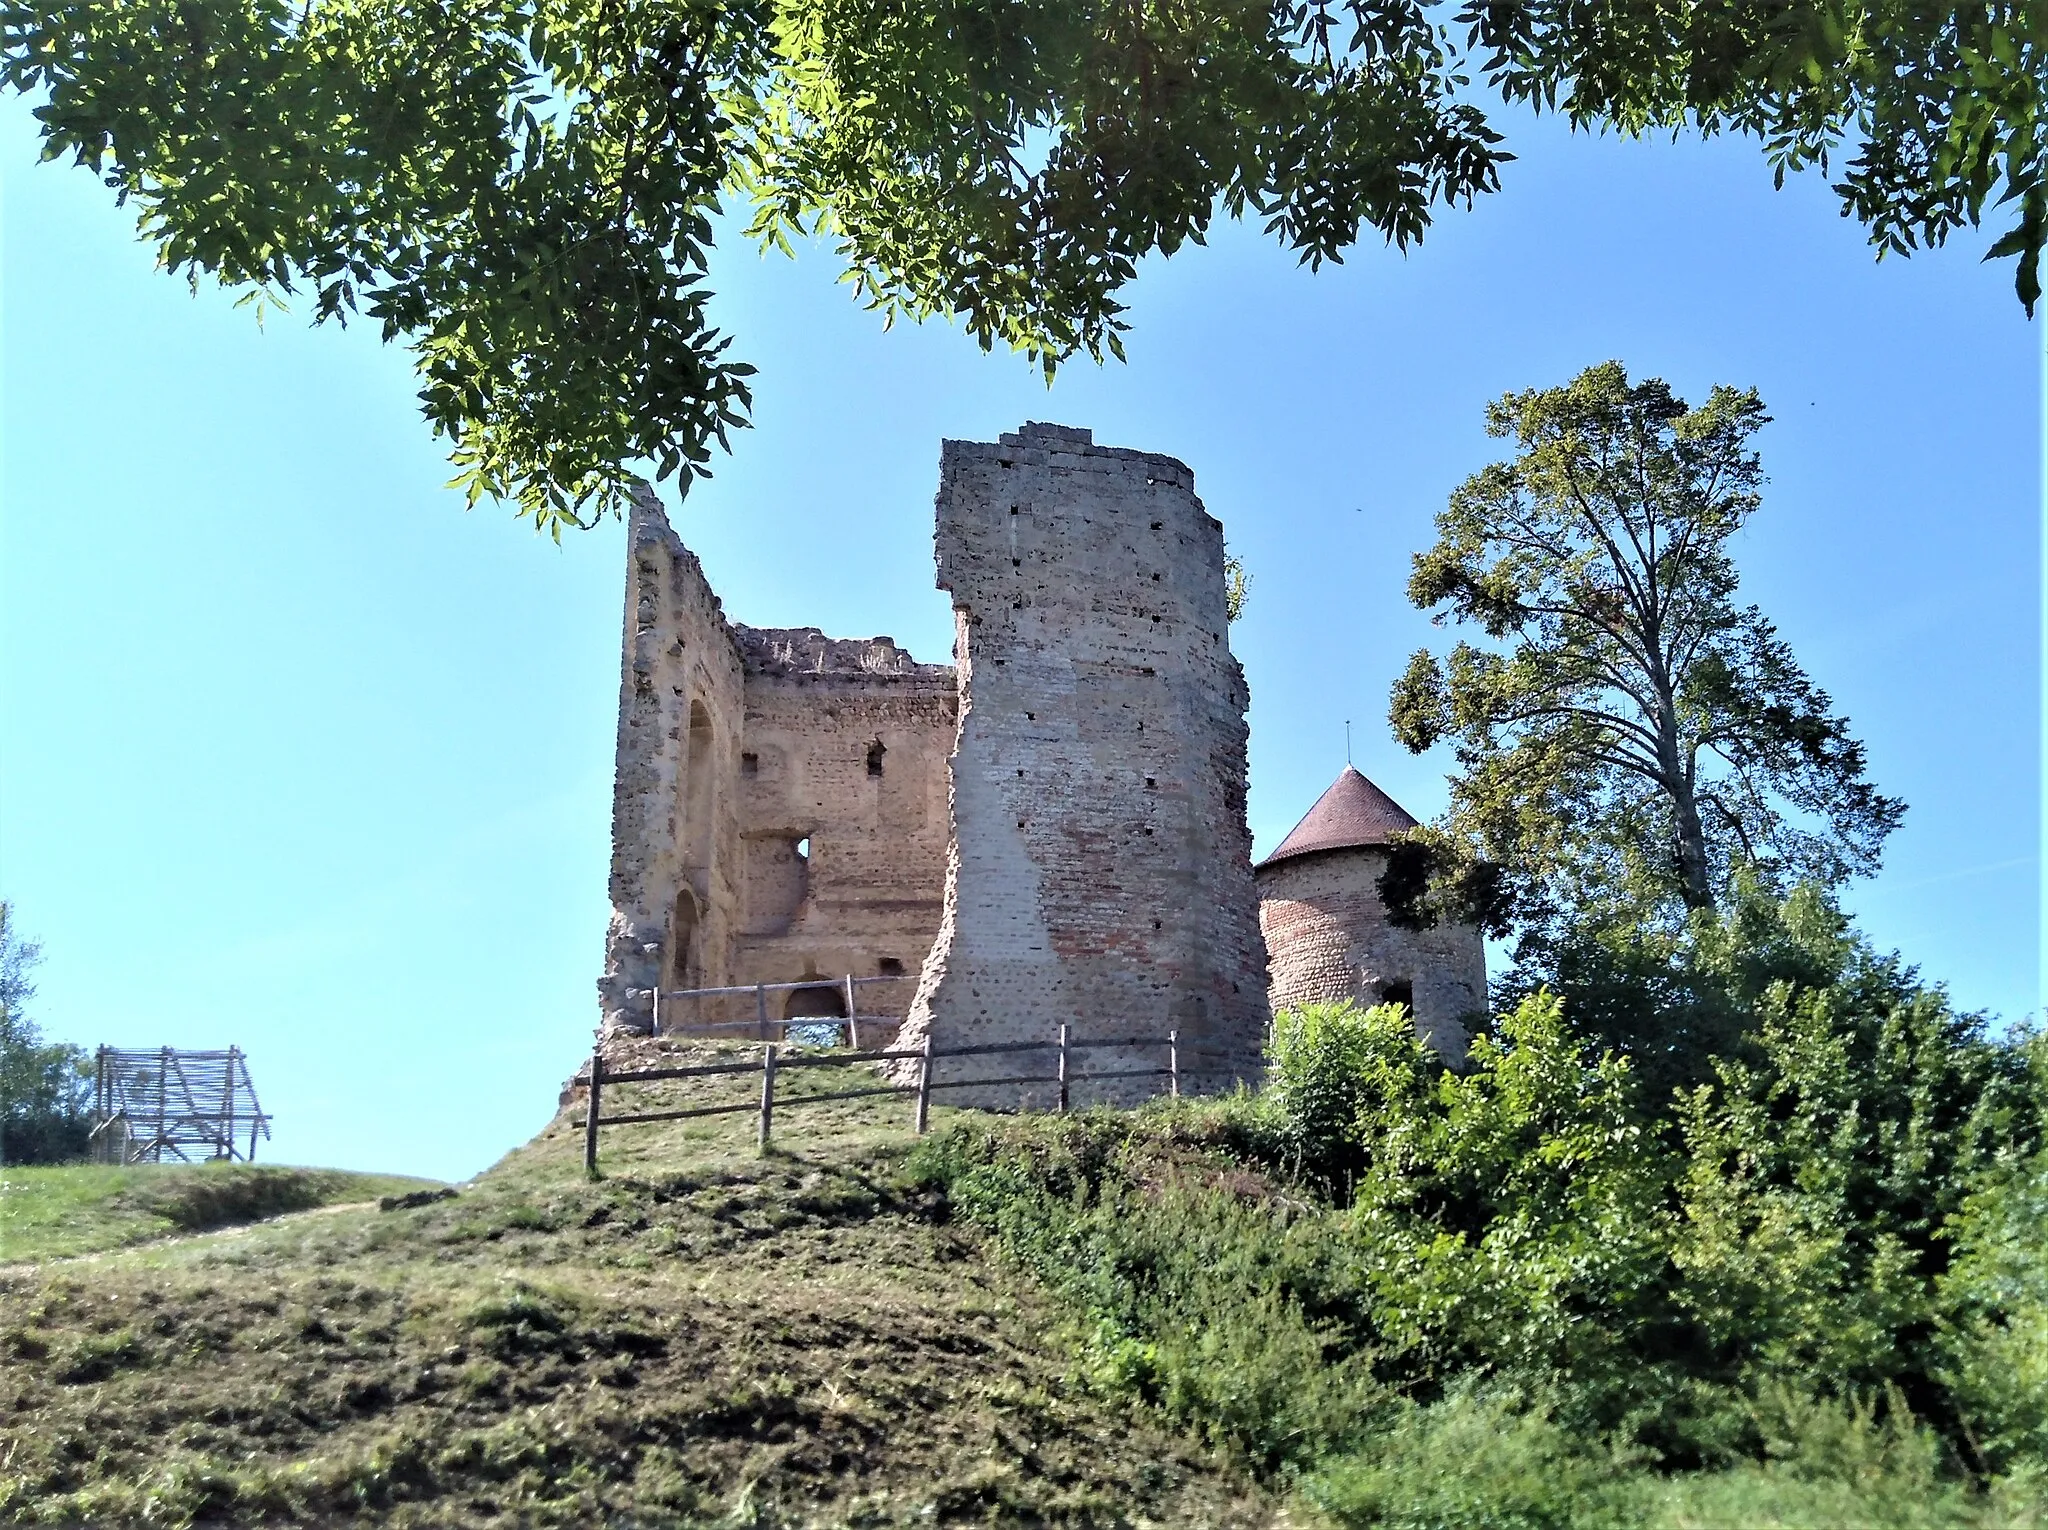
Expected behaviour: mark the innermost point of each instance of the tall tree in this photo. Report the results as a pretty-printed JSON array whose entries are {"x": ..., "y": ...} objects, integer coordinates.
[
  {"x": 523, "y": 190},
  {"x": 1628, "y": 736},
  {"x": 44, "y": 1087}
]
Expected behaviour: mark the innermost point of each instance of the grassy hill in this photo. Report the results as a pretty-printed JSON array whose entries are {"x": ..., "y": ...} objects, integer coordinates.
[
  {"x": 56, "y": 1213},
  {"x": 703, "y": 1337},
  {"x": 1109, "y": 1319}
]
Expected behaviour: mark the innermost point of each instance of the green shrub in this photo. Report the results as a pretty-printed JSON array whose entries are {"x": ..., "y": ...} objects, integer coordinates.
[
  {"x": 1827, "y": 1463},
  {"x": 1378, "y": 1263},
  {"x": 1995, "y": 1300},
  {"x": 1196, "y": 1287},
  {"x": 1475, "y": 1461},
  {"x": 1514, "y": 1216},
  {"x": 1822, "y": 1175},
  {"x": 1334, "y": 1070}
]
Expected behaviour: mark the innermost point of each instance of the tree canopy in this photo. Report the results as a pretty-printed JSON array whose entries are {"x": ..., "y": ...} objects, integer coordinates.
[
  {"x": 45, "y": 1087},
  {"x": 523, "y": 190},
  {"x": 1629, "y": 738}
]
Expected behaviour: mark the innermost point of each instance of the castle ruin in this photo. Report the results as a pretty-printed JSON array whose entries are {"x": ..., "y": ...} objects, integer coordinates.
[
  {"x": 1050, "y": 834},
  {"x": 779, "y": 808}
]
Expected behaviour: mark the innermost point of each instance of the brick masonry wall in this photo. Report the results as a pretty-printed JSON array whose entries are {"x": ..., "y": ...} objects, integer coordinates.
[
  {"x": 1328, "y": 937},
  {"x": 1100, "y": 867},
  {"x": 845, "y": 746}
]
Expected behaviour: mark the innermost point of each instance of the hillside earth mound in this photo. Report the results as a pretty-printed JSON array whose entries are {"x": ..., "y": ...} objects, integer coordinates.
[
  {"x": 71, "y": 1209},
  {"x": 702, "y": 1336}
]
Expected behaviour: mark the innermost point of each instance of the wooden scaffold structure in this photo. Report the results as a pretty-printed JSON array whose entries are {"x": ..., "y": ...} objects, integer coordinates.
[{"x": 191, "y": 1104}]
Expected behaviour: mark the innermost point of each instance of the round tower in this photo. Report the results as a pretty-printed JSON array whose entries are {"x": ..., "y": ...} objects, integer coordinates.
[{"x": 1327, "y": 933}]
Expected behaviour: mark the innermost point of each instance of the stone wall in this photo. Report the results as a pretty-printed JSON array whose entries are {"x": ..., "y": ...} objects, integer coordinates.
[
  {"x": 842, "y": 790},
  {"x": 779, "y": 804},
  {"x": 675, "y": 827},
  {"x": 1327, "y": 932},
  {"x": 1100, "y": 867}
]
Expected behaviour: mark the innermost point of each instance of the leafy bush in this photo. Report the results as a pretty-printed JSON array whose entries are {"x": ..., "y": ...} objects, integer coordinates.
[
  {"x": 1994, "y": 1300},
  {"x": 1196, "y": 1287},
  {"x": 1515, "y": 1215},
  {"x": 1334, "y": 1070},
  {"x": 1674, "y": 999},
  {"x": 1824, "y": 1266},
  {"x": 1821, "y": 1179},
  {"x": 1477, "y": 1459}
]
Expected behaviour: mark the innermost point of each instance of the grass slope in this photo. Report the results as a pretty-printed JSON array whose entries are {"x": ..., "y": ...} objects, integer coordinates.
[
  {"x": 55, "y": 1213},
  {"x": 703, "y": 1337}
]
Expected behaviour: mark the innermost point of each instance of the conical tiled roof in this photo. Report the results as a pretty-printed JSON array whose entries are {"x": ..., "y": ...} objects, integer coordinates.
[{"x": 1352, "y": 813}]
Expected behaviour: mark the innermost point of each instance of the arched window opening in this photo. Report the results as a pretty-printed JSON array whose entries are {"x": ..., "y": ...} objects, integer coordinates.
[
  {"x": 1399, "y": 992},
  {"x": 875, "y": 752}
]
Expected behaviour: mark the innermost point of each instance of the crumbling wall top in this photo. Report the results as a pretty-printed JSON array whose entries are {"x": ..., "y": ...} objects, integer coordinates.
[
  {"x": 805, "y": 653},
  {"x": 1039, "y": 444}
]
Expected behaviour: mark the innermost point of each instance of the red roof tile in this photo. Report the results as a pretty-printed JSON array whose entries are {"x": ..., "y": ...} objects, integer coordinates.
[{"x": 1352, "y": 813}]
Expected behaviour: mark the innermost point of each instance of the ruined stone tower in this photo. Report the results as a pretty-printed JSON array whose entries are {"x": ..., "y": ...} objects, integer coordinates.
[
  {"x": 1327, "y": 931},
  {"x": 1099, "y": 874}
]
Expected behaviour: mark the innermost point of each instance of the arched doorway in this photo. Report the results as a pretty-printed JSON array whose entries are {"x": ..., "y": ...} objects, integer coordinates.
[{"x": 825, "y": 1004}]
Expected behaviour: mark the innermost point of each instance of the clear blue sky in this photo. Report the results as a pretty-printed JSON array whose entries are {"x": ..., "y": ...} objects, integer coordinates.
[{"x": 298, "y": 755}]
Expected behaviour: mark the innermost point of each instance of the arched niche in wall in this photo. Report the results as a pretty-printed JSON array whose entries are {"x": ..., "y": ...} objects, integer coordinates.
[
  {"x": 685, "y": 961},
  {"x": 700, "y": 794}
]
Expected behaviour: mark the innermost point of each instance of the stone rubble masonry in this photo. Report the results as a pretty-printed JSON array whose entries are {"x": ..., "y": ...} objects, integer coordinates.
[
  {"x": 1099, "y": 873},
  {"x": 1326, "y": 930},
  {"x": 740, "y": 749},
  {"x": 681, "y": 699}
]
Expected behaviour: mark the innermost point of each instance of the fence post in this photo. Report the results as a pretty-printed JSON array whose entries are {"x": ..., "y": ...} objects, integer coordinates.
[
  {"x": 852, "y": 1029},
  {"x": 1173, "y": 1062},
  {"x": 1063, "y": 1070},
  {"x": 761, "y": 1009},
  {"x": 590, "y": 1110},
  {"x": 163, "y": 1086},
  {"x": 657, "y": 1007},
  {"x": 767, "y": 1095},
  {"x": 924, "y": 1086}
]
